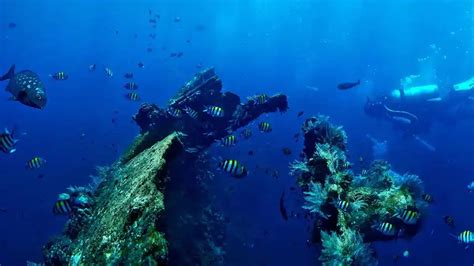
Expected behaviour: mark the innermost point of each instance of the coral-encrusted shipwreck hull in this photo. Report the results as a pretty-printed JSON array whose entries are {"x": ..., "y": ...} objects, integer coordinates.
[
  {"x": 122, "y": 226},
  {"x": 375, "y": 196},
  {"x": 124, "y": 221}
]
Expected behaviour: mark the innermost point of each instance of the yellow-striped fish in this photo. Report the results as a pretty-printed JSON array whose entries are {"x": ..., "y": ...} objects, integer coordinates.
[
  {"x": 342, "y": 205},
  {"x": 133, "y": 96},
  {"x": 465, "y": 237},
  {"x": 261, "y": 98},
  {"x": 35, "y": 163},
  {"x": 60, "y": 75},
  {"x": 175, "y": 112},
  {"x": 246, "y": 133},
  {"x": 131, "y": 86},
  {"x": 62, "y": 207},
  {"x": 265, "y": 127},
  {"x": 7, "y": 142},
  {"x": 191, "y": 112},
  {"x": 214, "y": 111},
  {"x": 427, "y": 197},
  {"x": 233, "y": 167},
  {"x": 228, "y": 141},
  {"x": 386, "y": 228},
  {"x": 409, "y": 216}
]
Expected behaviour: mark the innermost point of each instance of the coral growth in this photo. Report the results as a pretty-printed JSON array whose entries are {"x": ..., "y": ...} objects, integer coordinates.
[
  {"x": 376, "y": 195},
  {"x": 315, "y": 198},
  {"x": 346, "y": 248}
]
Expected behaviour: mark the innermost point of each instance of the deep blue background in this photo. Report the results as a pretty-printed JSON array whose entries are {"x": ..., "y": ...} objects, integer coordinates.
[{"x": 256, "y": 46}]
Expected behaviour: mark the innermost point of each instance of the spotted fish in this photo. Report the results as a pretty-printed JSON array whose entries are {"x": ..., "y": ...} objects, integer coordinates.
[{"x": 26, "y": 87}]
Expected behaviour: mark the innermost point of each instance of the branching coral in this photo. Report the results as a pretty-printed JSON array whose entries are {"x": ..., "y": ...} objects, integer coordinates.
[
  {"x": 315, "y": 198},
  {"x": 347, "y": 248},
  {"x": 298, "y": 167},
  {"x": 333, "y": 156}
]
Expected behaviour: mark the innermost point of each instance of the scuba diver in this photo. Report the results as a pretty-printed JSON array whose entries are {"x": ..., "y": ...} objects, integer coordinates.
[{"x": 414, "y": 108}]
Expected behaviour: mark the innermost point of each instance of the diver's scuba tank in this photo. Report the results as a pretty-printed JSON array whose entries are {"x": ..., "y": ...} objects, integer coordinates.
[
  {"x": 429, "y": 93},
  {"x": 414, "y": 89}
]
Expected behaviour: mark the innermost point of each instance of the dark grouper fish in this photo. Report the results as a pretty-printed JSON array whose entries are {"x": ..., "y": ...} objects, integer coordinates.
[{"x": 26, "y": 87}]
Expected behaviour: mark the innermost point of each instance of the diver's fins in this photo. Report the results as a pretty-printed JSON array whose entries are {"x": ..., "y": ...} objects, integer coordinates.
[{"x": 9, "y": 74}]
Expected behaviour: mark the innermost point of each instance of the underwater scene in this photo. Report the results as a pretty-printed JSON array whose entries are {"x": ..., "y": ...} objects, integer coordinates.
[{"x": 236, "y": 132}]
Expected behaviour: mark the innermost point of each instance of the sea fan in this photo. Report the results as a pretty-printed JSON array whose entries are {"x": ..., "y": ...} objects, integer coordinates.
[
  {"x": 347, "y": 248},
  {"x": 315, "y": 198}
]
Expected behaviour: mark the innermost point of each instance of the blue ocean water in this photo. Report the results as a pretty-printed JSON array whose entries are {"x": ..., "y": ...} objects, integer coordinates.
[{"x": 300, "y": 48}]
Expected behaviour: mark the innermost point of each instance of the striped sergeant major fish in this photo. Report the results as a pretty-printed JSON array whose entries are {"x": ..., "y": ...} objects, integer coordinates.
[
  {"x": 386, "y": 229},
  {"x": 427, "y": 197},
  {"x": 108, "y": 72},
  {"x": 465, "y": 237},
  {"x": 214, "y": 111},
  {"x": 191, "y": 112},
  {"x": 175, "y": 112},
  {"x": 228, "y": 141},
  {"x": 62, "y": 206},
  {"x": 246, "y": 133},
  {"x": 265, "y": 127},
  {"x": 131, "y": 86},
  {"x": 234, "y": 168},
  {"x": 7, "y": 142},
  {"x": 25, "y": 87},
  {"x": 259, "y": 98},
  {"x": 133, "y": 96},
  {"x": 342, "y": 205},
  {"x": 60, "y": 75},
  {"x": 409, "y": 216},
  {"x": 35, "y": 163}
]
